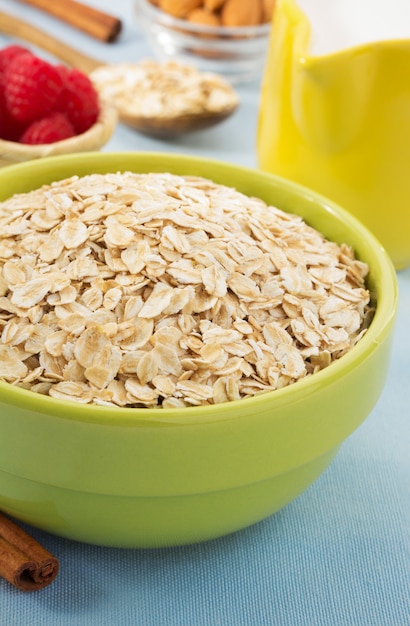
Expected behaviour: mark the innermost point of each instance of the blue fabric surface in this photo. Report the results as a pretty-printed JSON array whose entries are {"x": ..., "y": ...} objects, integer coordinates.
[{"x": 339, "y": 555}]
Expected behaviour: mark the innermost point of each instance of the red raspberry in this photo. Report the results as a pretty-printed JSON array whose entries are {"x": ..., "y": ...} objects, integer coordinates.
[
  {"x": 10, "y": 129},
  {"x": 7, "y": 54},
  {"x": 32, "y": 87},
  {"x": 3, "y": 112},
  {"x": 49, "y": 129},
  {"x": 80, "y": 99}
]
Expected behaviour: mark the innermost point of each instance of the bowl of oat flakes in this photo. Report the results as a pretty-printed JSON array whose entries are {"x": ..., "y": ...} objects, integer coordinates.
[{"x": 185, "y": 344}]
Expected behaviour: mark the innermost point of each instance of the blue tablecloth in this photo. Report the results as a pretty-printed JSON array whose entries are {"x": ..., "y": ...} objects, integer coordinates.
[{"x": 337, "y": 556}]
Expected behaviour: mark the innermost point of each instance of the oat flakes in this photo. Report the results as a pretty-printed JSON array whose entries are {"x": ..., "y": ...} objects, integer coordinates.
[
  {"x": 145, "y": 290},
  {"x": 164, "y": 90}
]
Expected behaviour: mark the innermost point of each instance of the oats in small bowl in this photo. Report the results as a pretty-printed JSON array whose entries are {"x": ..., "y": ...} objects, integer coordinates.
[{"x": 166, "y": 98}]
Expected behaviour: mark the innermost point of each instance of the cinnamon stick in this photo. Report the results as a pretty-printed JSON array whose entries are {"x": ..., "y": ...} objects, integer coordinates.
[
  {"x": 94, "y": 22},
  {"x": 23, "y": 561}
]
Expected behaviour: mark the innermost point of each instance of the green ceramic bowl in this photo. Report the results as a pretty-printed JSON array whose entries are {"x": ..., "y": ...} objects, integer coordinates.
[{"x": 156, "y": 477}]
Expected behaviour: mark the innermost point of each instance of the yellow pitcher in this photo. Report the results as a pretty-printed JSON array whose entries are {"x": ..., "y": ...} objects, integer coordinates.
[{"x": 339, "y": 123}]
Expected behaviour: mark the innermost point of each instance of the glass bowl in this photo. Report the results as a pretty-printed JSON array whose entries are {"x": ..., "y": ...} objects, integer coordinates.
[{"x": 238, "y": 53}]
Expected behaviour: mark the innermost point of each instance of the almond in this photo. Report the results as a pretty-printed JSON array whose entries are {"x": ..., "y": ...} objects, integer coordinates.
[
  {"x": 241, "y": 13},
  {"x": 268, "y": 7},
  {"x": 213, "y": 5},
  {"x": 179, "y": 8},
  {"x": 203, "y": 17}
]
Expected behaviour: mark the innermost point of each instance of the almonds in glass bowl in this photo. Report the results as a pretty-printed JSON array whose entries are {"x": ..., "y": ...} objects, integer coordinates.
[
  {"x": 228, "y": 37},
  {"x": 229, "y": 13}
]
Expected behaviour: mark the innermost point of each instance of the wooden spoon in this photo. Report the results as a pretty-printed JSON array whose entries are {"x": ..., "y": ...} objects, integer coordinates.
[{"x": 158, "y": 126}]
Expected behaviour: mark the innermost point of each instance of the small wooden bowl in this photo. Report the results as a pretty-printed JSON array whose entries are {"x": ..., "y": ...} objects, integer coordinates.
[{"x": 94, "y": 138}]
